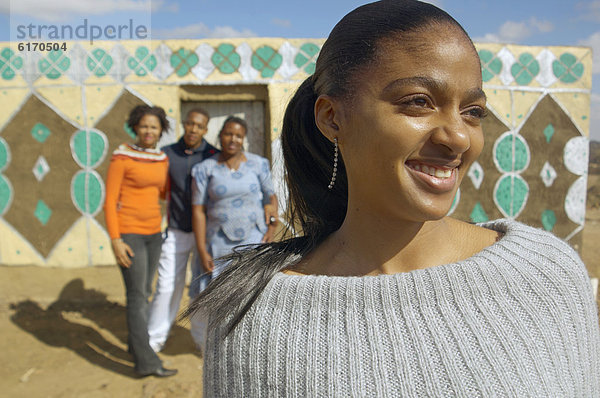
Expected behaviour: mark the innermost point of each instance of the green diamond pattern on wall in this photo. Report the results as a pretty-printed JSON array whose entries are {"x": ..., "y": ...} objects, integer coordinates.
[
  {"x": 306, "y": 57},
  {"x": 549, "y": 132},
  {"x": 525, "y": 69},
  {"x": 54, "y": 64},
  {"x": 40, "y": 132},
  {"x": 266, "y": 60},
  {"x": 548, "y": 220},
  {"x": 226, "y": 59},
  {"x": 9, "y": 63},
  {"x": 183, "y": 60},
  {"x": 567, "y": 68},
  {"x": 490, "y": 65},
  {"x": 478, "y": 214},
  {"x": 42, "y": 212},
  {"x": 143, "y": 62},
  {"x": 99, "y": 62}
]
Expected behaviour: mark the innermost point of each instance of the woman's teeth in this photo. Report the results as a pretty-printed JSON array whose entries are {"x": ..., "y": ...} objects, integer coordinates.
[{"x": 432, "y": 171}]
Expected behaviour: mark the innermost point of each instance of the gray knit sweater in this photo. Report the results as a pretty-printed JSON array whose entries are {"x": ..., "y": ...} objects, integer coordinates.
[{"x": 516, "y": 320}]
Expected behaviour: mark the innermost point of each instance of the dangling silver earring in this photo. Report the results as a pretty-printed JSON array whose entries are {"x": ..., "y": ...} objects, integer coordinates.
[{"x": 335, "y": 160}]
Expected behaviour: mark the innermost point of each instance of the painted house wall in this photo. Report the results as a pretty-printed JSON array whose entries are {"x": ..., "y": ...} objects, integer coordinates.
[{"x": 63, "y": 112}]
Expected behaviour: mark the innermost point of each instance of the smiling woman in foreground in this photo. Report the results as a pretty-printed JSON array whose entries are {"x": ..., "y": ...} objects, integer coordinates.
[{"x": 382, "y": 294}]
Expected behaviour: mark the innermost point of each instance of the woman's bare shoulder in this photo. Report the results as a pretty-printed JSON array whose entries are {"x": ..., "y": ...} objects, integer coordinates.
[{"x": 474, "y": 238}]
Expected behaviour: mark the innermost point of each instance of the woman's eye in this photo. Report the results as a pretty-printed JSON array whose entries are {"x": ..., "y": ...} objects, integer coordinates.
[
  {"x": 477, "y": 112},
  {"x": 416, "y": 101}
]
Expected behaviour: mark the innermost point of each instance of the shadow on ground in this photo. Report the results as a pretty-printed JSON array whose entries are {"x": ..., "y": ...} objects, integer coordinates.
[{"x": 84, "y": 321}]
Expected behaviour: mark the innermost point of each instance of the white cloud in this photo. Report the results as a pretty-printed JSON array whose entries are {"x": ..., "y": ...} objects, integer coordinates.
[
  {"x": 228, "y": 31},
  {"x": 590, "y": 10},
  {"x": 541, "y": 26},
  {"x": 284, "y": 23},
  {"x": 200, "y": 30},
  {"x": 159, "y": 5},
  {"x": 49, "y": 10},
  {"x": 594, "y": 42},
  {"x": 57, "y": 11},
  {"x": 515, "y": 32}
]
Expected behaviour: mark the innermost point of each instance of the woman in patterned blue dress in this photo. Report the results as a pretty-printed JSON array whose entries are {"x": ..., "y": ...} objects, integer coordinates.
[{"x": 233, "y": 200}]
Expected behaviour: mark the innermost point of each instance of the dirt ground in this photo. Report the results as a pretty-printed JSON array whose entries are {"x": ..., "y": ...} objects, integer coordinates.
[{"x": 64, "y": 333}]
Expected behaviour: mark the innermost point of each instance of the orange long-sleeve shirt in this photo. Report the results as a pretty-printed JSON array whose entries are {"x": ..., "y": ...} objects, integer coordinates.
[{"x": 134, "y": 184}]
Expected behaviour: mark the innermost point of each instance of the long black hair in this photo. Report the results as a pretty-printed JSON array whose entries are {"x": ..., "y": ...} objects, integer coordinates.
[{"x": 354, "y": 43}]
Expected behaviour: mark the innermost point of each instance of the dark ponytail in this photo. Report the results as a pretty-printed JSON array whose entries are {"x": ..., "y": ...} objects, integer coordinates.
[
  {"x": 316, "y": 210},
  {"x": 308, "y": 156}
]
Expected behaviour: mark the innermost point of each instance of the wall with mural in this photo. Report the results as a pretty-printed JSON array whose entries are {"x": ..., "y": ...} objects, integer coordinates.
[{"x": 63, "y": 112}]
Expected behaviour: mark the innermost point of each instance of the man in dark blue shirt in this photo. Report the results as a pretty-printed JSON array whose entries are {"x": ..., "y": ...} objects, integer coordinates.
[{"x": 179, "y": 243}]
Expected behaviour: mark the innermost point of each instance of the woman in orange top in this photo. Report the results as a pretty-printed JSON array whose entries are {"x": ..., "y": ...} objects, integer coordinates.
[{"x": 136, "y": 180}]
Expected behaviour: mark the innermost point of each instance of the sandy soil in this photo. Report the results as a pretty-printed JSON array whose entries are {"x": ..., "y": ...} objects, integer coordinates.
[{"x": 64, "y": 333}]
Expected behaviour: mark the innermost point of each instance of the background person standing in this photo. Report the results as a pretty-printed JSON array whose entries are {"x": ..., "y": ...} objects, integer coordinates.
[
  {"x": 179, "y": 243},
  {"x": 135, "y": 182},
  {"x": 234, "y": 202}
]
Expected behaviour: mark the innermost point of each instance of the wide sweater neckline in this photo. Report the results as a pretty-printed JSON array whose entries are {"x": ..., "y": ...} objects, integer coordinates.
[{"x": 509, "y": 228}]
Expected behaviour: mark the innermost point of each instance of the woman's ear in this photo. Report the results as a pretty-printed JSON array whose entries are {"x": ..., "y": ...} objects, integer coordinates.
[{"x": 327, "y": 116}]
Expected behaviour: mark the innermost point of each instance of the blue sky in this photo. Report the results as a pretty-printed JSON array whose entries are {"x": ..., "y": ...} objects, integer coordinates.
[{"x": 530, "y": 22}]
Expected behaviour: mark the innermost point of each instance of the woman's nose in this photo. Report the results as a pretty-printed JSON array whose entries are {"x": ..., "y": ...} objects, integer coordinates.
[{"x": 453, "y": 133}]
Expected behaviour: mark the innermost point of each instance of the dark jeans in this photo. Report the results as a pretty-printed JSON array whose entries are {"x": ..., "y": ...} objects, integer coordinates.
[{"x": 138, "y": 284}]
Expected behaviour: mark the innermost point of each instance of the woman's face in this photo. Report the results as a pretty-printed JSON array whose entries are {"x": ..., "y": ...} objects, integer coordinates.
[
  {"x": 148, "y": 131},
  {"x": 414, "y": 126},
  {"x": 232, "y": 138}
]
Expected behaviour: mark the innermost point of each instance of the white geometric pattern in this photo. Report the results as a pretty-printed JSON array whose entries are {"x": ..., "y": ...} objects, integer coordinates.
[
  {"x": 246, "y": 69},
  {"x": 288, "y": 68},
  {"x": 507, "y": 59},
  {"x": 546, "y": 76},
  {"x": 204, "y": 67},
  {"x": 576, "y": 155},
  {"x": 548, "y": 174},
  {"x": 78, "y": 71},
  {"x": 40, "y": 168},
  {"x": 163, "y": 58},
  {"x": 575, "y": 201},
  {"x": 119, "y": 70},
  {"x": 476, "y": 174}
]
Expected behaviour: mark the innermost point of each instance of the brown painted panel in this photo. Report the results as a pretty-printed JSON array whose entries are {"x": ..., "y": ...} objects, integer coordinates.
[
  {"x": 54, "y": 189},
  {"x": 542, "y": 198}
]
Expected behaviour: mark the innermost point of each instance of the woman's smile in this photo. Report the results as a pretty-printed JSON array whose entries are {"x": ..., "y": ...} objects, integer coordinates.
[{"x": 439, "y": 178}]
